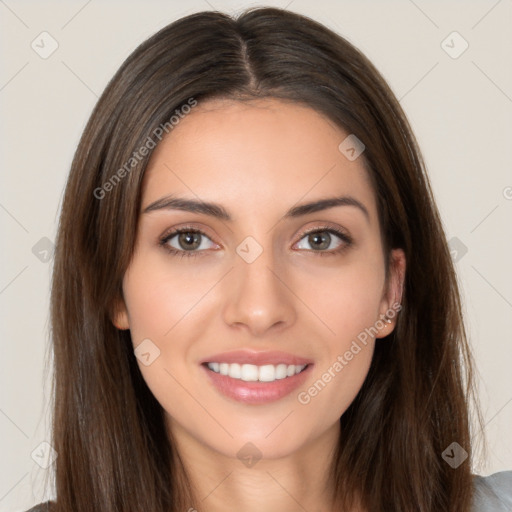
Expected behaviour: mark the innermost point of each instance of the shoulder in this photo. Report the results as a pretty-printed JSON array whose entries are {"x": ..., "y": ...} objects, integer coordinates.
[
  {"x": 493, "y": 493},
  {"x": 43, "y": 507}
]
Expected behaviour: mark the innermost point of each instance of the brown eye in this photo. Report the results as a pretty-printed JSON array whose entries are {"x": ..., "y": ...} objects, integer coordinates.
[
  {"x": 189, "y": 240},
  {"x": 186, "y": 241},
  {"x": 319, "y": 240},
  {"x": 322, "y": 241}
]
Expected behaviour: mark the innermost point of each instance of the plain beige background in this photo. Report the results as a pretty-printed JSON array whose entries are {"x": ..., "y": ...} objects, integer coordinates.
[{"x": 460, "y": 107}]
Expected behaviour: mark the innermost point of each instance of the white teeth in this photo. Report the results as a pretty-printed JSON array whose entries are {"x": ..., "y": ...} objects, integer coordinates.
[
  {"x": 235, "y": 371},
  {"x": 250, "y": 373},
  {"x": 281, "y": 370},
  {"x": 253, "y": 373},
  {"x": 267, "y": 373}
]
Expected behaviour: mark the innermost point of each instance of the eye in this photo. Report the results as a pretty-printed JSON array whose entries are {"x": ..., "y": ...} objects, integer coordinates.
[
  {"x": 323, "y": 241},
  {"x": 186, "y": 241}
]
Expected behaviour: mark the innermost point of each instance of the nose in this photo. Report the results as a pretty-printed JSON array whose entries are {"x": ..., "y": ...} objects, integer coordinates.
[{"x": 259, "y": 297}]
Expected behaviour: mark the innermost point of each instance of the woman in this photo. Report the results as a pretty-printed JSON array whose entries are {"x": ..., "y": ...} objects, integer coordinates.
[{"x": 253, "y": 302}]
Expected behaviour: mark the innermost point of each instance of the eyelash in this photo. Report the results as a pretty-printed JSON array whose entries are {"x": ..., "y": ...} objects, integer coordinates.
[{"x": 189, "y": 229}]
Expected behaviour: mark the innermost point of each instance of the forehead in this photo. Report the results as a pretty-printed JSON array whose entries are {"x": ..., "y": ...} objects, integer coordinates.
[{"x": 246, "y": 155}]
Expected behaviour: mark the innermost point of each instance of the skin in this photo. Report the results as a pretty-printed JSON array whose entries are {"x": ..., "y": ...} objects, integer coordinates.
[{"x": 256, "y": 159}]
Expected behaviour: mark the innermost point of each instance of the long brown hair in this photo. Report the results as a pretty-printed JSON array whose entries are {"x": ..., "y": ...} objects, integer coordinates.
[{"x": 114, "y": 453}]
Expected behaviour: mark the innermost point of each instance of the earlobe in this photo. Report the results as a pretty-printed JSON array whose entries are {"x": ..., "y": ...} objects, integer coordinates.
[
  {"x": 121, "y": 322},
  {"x": 120, "y": 316},
  {"x": 392, "y": 299}
]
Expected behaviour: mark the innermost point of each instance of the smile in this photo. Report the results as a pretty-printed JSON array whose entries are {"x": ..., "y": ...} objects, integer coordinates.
[{"x": 256, "y": 385}]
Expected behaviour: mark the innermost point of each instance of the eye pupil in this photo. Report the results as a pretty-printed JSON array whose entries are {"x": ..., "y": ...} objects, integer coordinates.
[
  {"x": 323, "y": 239},
  {"x": 189, "y": 237}
]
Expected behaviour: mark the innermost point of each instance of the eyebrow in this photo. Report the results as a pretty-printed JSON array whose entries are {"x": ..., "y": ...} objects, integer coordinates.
[{"x": 219, "y": 212}]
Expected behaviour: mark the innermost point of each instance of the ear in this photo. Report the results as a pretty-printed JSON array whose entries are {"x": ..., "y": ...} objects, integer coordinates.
[
  {"x": 392, "y": 297},
  {"x": 119, "y": 315}
]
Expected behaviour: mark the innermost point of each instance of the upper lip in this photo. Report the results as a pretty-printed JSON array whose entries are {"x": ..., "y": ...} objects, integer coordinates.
[{"x": 257, "y": 358}]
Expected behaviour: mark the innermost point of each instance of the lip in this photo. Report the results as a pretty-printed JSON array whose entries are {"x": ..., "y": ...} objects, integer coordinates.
[
  {"x": 256, "y": 392},
  {"x": 257, "y": 358}
]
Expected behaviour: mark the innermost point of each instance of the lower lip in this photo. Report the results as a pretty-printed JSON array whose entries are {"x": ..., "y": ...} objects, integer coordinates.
[{"x": 256, "y": 392}]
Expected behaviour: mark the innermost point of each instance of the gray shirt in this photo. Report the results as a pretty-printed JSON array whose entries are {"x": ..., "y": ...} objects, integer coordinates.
[{"x": 492, "y": 494}]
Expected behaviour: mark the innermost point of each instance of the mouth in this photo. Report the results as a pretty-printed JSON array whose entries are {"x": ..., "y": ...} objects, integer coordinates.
[{"x": 255, "y": 384}]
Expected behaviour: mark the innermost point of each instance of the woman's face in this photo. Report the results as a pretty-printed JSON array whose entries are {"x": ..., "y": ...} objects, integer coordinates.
[{"x": 245, "y": 284}]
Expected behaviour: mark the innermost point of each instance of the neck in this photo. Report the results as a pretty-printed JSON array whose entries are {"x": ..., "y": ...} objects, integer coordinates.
[{"x": 247, "y": 482}]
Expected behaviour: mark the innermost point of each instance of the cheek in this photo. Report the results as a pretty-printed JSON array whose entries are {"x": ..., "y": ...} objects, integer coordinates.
[
  {"x": 158, "y": 301},
  {"x": 348, "y": 299}
]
